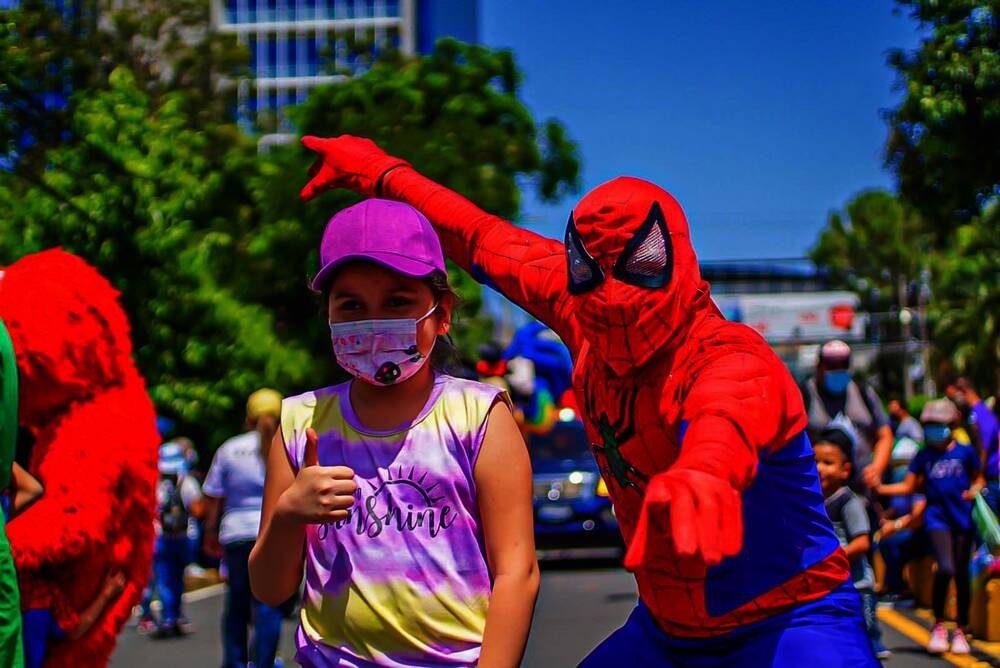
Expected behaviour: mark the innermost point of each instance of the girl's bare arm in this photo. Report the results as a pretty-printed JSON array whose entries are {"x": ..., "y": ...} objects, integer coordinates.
[{"x": 503, "y": 481}]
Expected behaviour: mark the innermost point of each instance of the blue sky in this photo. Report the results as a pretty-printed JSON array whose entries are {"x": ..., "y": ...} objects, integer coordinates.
[{"x": 759, "y": 117}]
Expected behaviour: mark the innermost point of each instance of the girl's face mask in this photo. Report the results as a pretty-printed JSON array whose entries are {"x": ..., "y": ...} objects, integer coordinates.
[{"x": 380, "y": 352}]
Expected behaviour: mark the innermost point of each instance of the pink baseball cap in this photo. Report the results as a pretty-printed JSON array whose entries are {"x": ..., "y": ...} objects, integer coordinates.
[{"x": 393, "y": 234}]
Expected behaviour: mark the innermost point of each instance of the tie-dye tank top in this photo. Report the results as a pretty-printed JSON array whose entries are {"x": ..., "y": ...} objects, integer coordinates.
[{"x": 404, "y": 580}]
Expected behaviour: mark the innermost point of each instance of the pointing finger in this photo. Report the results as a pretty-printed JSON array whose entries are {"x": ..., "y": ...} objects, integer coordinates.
[{"x": 313, "y": 143}]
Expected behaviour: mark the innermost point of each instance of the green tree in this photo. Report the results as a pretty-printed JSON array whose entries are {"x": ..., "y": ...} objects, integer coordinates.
[
  {"x": 966, "y": 305},
  {"x": 944, "y": 142},
  {"x": 49, "y": 50},
  {"x": 154, "y": 203},
  {"x": 454, "y": 114},
  {"x": 207, "y": 240},
  {"x": 944, "y": 147},
  {"x": 875, "y": 243}
]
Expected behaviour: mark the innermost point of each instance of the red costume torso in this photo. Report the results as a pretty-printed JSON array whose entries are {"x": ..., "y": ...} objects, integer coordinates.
[
  {"x": 95, "y": 449},
  {"x": 696, "y": 424}
]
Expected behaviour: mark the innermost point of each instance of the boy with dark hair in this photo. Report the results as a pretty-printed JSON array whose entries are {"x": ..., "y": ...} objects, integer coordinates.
[{"x": 834, "y": 450}]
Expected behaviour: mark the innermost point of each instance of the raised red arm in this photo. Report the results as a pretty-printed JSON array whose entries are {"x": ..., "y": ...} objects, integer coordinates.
[{"x": 527, "y": 268}]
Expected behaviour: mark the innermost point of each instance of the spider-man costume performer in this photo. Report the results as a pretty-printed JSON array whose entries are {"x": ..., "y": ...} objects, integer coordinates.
[{"x": 697, "y": 426}]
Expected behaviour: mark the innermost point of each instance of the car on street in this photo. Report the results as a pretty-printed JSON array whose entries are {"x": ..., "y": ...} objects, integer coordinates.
[{"x": 574, "y": 517}]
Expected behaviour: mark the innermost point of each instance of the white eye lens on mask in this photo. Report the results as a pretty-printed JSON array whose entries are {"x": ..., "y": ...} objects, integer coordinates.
[{"x": 380, "y": 352}]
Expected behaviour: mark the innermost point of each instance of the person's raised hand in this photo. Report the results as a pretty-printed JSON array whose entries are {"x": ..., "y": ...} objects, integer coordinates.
[
  {"x": 872, "y": 475},
  {"x": 701, "y": 513},
  {"x": 348, "y": 162},
  {"x": 319, "y": 494}
]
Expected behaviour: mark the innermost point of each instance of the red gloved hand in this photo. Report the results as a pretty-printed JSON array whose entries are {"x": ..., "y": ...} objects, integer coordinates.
[
  {"x": 346, "y": 162},
  {"x": 703, "y": 513}
]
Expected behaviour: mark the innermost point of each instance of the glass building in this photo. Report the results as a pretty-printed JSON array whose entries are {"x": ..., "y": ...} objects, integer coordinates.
[{"x": 298, "y": 44}]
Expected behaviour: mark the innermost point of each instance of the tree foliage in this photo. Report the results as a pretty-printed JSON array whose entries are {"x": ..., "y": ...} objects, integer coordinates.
[
  {"x": 154, "y": 204},
  {"x": 206, "y": 238},
  {"x": 944, "y": 148},
  {"x": 456, "y": 116},
  {"x": 875, "y": 244},
  {"x": 52, "y": 49},
  {"x": 944, "y": 142},
  {"x": 966, "y": 305}
]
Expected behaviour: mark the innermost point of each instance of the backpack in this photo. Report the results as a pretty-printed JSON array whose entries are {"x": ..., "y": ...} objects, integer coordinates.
[{"x": 173, "y": 513}]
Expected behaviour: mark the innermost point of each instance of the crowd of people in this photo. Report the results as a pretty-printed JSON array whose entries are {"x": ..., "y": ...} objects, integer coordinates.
[
  {"x": 210, "y": 520},
  {"x": 409, "y": 491},
  {"x": 904, "y": 487},
  {"x": 395, "y": 509}
]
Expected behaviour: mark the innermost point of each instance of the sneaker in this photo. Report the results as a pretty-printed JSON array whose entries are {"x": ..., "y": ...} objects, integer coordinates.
[
  {"x": 959, "y": 643},
  {"x": 194, "y": 571},
  {"x": 184, "y": 626},
  {"x": 881, "y": 651},
  {"x": 939, "y": 640},
  {"x": 145, "y": 626},
  {"x": 164, "y": 631}
]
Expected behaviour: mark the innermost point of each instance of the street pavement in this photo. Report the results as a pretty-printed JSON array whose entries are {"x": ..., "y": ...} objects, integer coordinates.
[{"x": 579, "y": 605}]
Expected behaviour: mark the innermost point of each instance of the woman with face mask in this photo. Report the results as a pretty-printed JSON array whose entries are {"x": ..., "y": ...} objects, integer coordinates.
[
  {"x": 950, "y": 476},
  {"x": 407, "y": 491}
]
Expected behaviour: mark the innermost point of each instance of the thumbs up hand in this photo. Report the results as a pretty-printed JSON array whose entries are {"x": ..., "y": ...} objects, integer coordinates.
[{"x": 319, "y": 494}]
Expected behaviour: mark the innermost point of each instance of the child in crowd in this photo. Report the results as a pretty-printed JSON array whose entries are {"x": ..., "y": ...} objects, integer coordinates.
[
  {"x": 834, "y": 451},
  {"x": 179, "y": 502},
  {"x": 409, "y": 490},
  {"x": 950, "y": 476},
  {"x": 901, "y": 537}
]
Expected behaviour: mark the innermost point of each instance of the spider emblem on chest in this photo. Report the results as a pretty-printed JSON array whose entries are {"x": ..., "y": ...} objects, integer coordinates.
[{"x": 614, "y": 434}]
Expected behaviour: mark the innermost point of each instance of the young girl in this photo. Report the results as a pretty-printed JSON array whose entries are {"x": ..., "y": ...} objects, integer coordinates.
[
  {"x": 950, "y": 475},
  {"x": 410, "y": 491}
]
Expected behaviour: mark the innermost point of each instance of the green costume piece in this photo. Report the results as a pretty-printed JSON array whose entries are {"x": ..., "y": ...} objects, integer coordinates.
[{"x": 11, "y": 653}]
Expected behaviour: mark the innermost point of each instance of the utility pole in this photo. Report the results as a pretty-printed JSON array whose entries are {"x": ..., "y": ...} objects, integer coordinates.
[{"x": 905, "y": 318}]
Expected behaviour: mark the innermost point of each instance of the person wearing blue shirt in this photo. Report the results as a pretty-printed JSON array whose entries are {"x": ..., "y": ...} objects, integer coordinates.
[
  {"x": 234, "y": 491},
  {"x": 985, "y": 423},
  {"x": 901, "y": 535},
  {"x": 950, "y": 476}
]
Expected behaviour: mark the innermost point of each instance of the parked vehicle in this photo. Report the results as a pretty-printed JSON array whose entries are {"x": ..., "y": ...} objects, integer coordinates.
[{"x": 573, "y": 514}]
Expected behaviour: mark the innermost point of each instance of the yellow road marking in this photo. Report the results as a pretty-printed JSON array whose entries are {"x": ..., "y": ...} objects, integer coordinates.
[
  {"x": 920, "y": 635},
  {"x": 986, "y": 647}
]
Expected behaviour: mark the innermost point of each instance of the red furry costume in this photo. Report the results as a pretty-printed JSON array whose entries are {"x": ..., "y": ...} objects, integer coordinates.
[
  {"x": 95, "y": 448},
  {"x": 724, "y": 531}
]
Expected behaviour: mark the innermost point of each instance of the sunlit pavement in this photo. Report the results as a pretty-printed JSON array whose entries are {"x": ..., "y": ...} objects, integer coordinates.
[
  {"x": 909, "y": 631},
  {"x": 579, "y": 604}
]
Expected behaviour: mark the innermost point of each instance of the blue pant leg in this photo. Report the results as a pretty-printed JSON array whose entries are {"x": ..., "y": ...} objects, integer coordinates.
[
  {"x": 35, "y": 625},
  {"x": 236, "y": 618},
  {"x": 169, "y": 565},
  {"x": 639, "y": 642},
  {"x": 266, "y": 634},
  {"x": 153, "y": 587},
  {"x": 893, "y": 549},
  {"x": 829, "y": 633},
  {"x": 869, "y": 605},
  {"x": 161, "y": 571}
]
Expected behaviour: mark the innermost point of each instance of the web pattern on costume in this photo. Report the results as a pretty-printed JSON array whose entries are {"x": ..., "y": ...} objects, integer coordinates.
[
  {"x": 633, "y": 437},
  {"x": 673, "y": 588}
]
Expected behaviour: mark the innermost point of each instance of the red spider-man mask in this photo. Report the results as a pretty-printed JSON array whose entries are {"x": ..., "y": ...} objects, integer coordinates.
[{"x": 632, "y": 271}]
